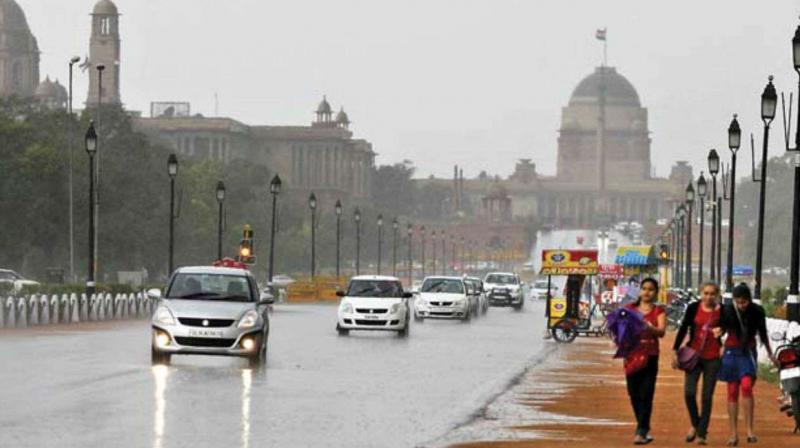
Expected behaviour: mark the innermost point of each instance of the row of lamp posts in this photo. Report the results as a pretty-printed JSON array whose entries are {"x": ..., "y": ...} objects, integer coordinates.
[{"x": 681, "y": 228}]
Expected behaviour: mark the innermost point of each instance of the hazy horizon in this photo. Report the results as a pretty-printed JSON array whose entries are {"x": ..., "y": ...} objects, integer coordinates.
[{"x": 477, "y": 83}]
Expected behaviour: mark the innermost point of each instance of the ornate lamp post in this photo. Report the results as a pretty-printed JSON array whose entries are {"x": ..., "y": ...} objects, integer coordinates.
[
  {"x": 90, "y": 141},
  {"x": 701, "y": 193},
  {"x": 433, "y": 243},
  {"x": 220, "y": 202},
  {"x": 409, "y": 233},
  {"x": 713, "y": 168},
  {"x": 689, "y": 206},
  {"x": 769, "y": 104},
  {"x": 275, "y": 190},
  {"x": 395, "y": 225},
  {"x": 422, "y": 249},
  {"x": 444, "y": 253},
  {"x": 338, "y": 210},
  {"x": 312, "y": 204},
  {"x": 380, "y": 240},
  {"x": 74, "y": 60},
  {"x": 357, "y": 219},
  {"x": 734, "y": 142},
  {"x": 681, "y": 278},
  {"x": 172, "y": 172},
  {"x": 793, "y": 299}
]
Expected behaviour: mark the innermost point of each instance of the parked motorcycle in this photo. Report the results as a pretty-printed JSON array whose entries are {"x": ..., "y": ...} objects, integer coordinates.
[
  {"x": 676, "y": 309},
  {"x": 788, "y": 355}
]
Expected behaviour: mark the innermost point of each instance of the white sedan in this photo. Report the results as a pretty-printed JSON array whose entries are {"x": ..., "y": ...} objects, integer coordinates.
[
  {"x": 16, "y": 281},
  {"x": 374, "y": 302},
  {"x": 443, "y": 298}
]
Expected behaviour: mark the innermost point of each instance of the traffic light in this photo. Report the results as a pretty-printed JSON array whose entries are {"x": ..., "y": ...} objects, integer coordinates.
[
  {"x": 664, "y": 252},
  {"x": 246, "y": 247}
]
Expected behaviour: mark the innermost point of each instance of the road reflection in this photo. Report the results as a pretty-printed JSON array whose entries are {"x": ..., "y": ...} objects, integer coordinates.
[
  {"x": 160, "y": 374},
  {"x": 247, "y": 382}
]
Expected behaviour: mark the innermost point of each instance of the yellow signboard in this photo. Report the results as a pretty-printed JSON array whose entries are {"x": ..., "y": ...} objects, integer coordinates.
[{"x": 569, "y": 262}]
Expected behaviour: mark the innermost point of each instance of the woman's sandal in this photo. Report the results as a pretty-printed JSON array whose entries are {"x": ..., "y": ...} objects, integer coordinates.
[
  {"x": 691, "y": 436},
  {"x": 702, "y": 441},
  {"x": 752, "y": 439},
  {"x": 733, "y": 441}
]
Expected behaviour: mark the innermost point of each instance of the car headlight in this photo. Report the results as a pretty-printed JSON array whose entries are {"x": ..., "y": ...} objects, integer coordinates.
[
  {"x": 164, "y": 316},
  {"x": 395, "y": 308},
  {"x": 459, "y": 302},
  {"x": 250, "y": 319},
  {"x": 347, "y": 308}
]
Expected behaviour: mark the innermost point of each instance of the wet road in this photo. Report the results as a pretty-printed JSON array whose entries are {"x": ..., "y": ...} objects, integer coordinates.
[{"x": 97, "y": 388}]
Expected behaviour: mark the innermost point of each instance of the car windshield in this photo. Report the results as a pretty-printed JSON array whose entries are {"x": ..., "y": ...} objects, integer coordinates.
[
  {"x": 541, "y": 284},
  {"x": 195, "y": 286},
  {"x": 375, "y": 288},
  {"x": 502, "y": 279},
  {"x": 444, "y": 285},
  {"x": 7, "y": 276}
]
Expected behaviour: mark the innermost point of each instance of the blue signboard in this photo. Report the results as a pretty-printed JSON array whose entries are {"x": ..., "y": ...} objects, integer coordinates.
[{"x": 740, "y": 270}]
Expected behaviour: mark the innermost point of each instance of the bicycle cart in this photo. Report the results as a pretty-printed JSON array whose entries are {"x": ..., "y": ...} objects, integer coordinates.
[{"x": 566, "y": 316}]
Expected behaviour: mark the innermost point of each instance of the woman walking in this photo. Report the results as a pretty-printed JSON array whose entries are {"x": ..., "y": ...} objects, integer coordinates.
[
  {"x": 742, "y": 321},
  {"x": 642, "y": 382},
  {"x": 700, "y": 319}
]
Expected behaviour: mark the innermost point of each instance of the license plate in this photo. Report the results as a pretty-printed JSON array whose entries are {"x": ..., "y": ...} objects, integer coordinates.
[
  {"x": 369, "y": 317},
  {"x": 790, "y": 373},
  {"x": 205, "y": 333}
]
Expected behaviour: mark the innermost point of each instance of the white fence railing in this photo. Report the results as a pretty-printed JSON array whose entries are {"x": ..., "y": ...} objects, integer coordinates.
[{"x": 40, "y": 309}]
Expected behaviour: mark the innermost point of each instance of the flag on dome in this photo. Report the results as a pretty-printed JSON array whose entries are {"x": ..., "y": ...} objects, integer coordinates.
[{"x": 600, "y": 34}]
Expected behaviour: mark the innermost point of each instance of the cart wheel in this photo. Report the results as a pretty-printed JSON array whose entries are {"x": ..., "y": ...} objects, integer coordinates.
[{"x": 564, "y": 331}]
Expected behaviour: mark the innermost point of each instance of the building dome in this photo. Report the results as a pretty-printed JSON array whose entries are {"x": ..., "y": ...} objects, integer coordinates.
[
  {"x": 15, "y": 35},
  {"x": 324, "y": 107},
  {"x": 105, "y": 7},
  {"x": 342, "y": 118},
  {"x": 618, "y": 89},
  {"x": 48, "y": 89}
]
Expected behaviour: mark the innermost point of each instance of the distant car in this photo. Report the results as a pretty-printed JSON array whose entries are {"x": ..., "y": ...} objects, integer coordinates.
[
  {"x": 374, "y": 302},
  {"x": 483, "y": 301},
  {"x": 504, "y": 289},
  {"x": 15, "y": 281},
  {"x": 211, "y": 311},
  {"x": 540, "y": 287},
  {"x": 282, "y": 281},
  {"x": 443, "y": 297}
]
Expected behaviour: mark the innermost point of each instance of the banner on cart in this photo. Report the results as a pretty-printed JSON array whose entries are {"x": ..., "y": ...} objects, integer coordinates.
[{"x": 567, "y": 262}]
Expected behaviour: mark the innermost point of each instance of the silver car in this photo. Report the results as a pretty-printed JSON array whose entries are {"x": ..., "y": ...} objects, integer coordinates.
[{"x": 211, "y": 311}]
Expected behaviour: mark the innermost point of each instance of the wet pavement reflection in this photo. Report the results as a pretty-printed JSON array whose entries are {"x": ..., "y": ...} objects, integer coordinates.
[{"x": 97, "y": 388}]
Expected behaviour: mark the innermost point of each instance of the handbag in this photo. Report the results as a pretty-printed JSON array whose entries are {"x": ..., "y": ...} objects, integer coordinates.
[
  {"x": 689, "y": 357},
  {"x": 636, "y": 360}
]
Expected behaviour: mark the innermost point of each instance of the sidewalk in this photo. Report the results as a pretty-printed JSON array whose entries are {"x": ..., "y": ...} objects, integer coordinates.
[{"x": 597, "y": 410}]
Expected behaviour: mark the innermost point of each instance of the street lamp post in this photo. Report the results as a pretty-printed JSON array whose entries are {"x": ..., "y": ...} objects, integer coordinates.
[
  {"x": 422, "y": 249},
  {"x": 701, "y": 193},
  {"x": 275, "y": 190},
  {"x": 220, "y": 203},
  {"x": 793, "y": 299},
  {"x": 338, "y": 210},
  {"x": 769, "y": 104},
  {"x": 453, "y": 254},
  {"x": 96, "y": 172},
  {"x": 312, "y": 204},
  {"x": 689, "y": 223},
  {"x": 410, "y": 265},
  {"x": 713, "y": 169},
  {"x": 380, "y": 240},
  {"x": 70, "y": 136},
  {"x": 444, "y": 253},
  {"x": 433, "y": 243},
  {"x": 91, "y": 149},
  {"x": 357, "y": 219},
  {"x": 172, "y": 171},
  {"x": 681, "y": 227},
  {"x": 734, "y": 142},
  {"x": 395, "y": 225}
]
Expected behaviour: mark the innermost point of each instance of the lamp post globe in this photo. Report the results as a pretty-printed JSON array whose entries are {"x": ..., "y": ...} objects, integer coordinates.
[
  {"x": 220, "y": 191},
  {"x": 172, "y": 165},
  {"x": 690, "y": 195},
  {"x": 796, "y": 49},
  {"x": 701, "y": 186},
  {"x": 769, "y": 102},
  {"x": 713, "y": 162},
  {"x": 275, "y": 185},
  {"x": 90, "y": 140},
  {"x": 734, "y": 134},
  {"x": 338, "y": 208}
]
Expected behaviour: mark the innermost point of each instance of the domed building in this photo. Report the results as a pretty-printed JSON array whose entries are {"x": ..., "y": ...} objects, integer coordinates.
[
  {"x": 51, "y": 94},
  {"x": 604, "y": 136},
  {"x": 19, "y": 52}
]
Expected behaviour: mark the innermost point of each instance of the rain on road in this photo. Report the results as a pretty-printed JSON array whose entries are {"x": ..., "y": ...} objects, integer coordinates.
[{"x": 96, "y": 387}]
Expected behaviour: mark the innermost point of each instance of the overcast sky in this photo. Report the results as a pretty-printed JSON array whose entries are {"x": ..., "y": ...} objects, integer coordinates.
[{"x": 478, "y": 83}]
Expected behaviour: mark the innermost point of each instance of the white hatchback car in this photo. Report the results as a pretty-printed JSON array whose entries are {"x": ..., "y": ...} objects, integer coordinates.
[
  {"x": 374, "y": 302},
  {"x": 444, "y": 298}
]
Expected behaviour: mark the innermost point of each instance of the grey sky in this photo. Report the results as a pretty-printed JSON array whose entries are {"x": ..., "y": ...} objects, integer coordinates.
[{"x": 479, "y": 83}]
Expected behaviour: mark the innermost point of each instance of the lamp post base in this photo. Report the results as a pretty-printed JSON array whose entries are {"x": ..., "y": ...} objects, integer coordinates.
[
  {"x": 727, "y": 298},
  {"x": 793, "y": 308}
]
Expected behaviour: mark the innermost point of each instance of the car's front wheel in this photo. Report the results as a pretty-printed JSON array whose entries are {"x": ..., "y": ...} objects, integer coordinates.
[
  {"x": 258, "y": 358},
  {"x": 404, "y": 331},
  {"x": 342, "y": 331},
  {"x": 418, "y": 318},
  {"x": 159, "y": 358},
  {"x": 468, "y": 316}
]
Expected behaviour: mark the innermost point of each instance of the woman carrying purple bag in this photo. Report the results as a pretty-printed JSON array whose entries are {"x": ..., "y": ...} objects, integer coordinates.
[{"x": 700, "y": 357}]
